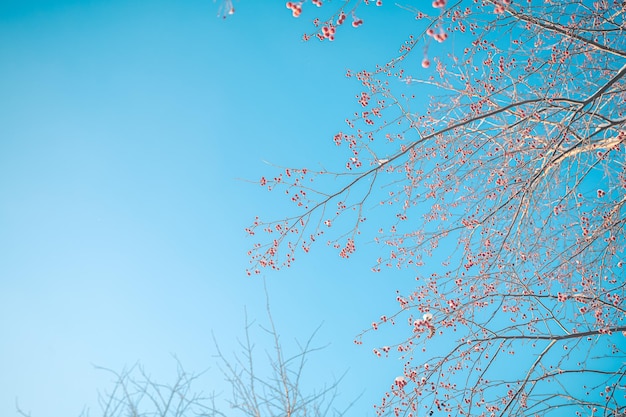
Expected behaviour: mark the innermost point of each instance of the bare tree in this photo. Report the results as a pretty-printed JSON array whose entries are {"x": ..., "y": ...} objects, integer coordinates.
[
  {"x": 136, "y": 394},
  {"x": 254, "y": 393},
  {"x": 280, "y": 393},
  {"x": 505, "y": 192}
]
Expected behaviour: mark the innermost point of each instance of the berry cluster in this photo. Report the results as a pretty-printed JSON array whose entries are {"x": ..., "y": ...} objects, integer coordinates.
[
  {"x": 341, "y": 18},
  {"x": 499, "y": 8},
  {"x": 328, "y": 32},
  {"x": 295, "y": 7},
  {"x": 439, "y": 36}
]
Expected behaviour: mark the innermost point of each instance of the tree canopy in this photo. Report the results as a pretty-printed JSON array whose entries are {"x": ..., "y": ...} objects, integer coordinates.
[{"x": 489, "y": 154}]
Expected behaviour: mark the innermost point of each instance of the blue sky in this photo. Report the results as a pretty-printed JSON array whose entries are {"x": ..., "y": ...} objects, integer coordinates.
[
  {"x": 127, "y": 131},
  {"x": 132, "y": 138}
]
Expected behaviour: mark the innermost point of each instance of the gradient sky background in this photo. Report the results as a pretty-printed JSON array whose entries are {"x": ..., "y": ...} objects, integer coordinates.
[
  {"x": 132, "y": 138},
  {"x": 125, "y": 130}
]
